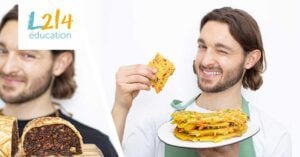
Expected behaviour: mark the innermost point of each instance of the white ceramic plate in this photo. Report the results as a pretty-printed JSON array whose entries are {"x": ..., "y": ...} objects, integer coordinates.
[{"x": 165, "y": 133}]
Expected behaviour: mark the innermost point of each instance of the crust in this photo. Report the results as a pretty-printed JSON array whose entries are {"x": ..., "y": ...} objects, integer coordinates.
[
  {"x": 44, "y": 121},
  {"x": 6, "y": 123}
]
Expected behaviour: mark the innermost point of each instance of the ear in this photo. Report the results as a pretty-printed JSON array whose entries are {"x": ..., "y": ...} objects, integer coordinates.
[
  {"x": 252, "y": 58},
  {"x": 62, "y": 62},
  {"x": 194, "y": 68}
]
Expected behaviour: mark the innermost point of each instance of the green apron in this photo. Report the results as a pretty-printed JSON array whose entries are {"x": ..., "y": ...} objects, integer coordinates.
[{"x": 246, "y": 148}]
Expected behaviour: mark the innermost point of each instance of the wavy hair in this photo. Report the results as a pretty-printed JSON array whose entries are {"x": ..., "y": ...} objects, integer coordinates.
[{"x": 245, "y": 31}]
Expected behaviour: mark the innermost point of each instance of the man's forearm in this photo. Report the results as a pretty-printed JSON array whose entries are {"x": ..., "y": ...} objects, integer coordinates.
[{"x": 119, "y": 114}]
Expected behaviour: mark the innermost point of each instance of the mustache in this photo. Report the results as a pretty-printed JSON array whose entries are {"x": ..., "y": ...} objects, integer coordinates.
[
  {"x": 217, "y": 68},
  {"x": 13, "y": 77}
]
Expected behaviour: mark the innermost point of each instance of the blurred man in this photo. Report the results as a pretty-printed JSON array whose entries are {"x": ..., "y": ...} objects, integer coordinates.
[
  {"x": 29, "y": 80},
  {"x": 230, "y": 56}
]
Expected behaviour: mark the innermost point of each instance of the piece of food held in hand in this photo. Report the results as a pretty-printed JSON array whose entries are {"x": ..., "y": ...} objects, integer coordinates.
[
  {"x": 50, "y": 136},
  {"x": 209, "y": 127},
  {"x": 8, "y": 136},
  {"x": 165, "y": 69}
]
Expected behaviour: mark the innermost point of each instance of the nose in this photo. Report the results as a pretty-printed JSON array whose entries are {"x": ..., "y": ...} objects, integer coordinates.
[
  {"x": 208, "y": 58},
  {"x": 9, "y": 63}
]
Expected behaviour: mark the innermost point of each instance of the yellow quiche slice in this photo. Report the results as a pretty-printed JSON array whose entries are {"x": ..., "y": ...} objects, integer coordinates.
[{"x": 165, "y": 69}]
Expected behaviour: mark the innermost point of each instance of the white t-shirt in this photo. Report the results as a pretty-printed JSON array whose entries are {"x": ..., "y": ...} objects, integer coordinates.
[{"x": 141, "y": 140}]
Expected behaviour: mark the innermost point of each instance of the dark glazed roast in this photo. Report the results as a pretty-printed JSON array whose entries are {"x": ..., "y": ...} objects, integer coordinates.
[{"x": 50, "y": 136}]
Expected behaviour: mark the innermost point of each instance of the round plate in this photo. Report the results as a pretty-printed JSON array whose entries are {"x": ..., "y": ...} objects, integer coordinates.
[{"x": 165, "y": 133}]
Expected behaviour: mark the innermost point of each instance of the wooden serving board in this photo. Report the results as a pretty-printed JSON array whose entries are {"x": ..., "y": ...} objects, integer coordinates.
[{"x": 91, "y": 150}]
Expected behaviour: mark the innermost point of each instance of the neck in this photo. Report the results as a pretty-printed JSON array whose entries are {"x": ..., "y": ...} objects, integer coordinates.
[
  {"x": 37, "y": 107},
  {"x": 230, "y": 98}
]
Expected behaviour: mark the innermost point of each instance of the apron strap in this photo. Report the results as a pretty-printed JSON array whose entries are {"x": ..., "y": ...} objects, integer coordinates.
[
  {"x": 179, "y": 105},
  {"x": 246, "y": 148}
]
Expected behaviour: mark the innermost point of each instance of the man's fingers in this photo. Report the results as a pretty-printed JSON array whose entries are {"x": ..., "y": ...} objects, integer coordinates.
[
  {"x": 224, "y": 151},
  {"x": 137, "y": 69},
  {"x": 135, "y": 87},
  {"x": 135, "y": 79}
]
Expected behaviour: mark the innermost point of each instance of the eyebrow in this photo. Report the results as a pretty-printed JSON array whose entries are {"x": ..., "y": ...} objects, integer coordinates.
[
  {"x": 35, "y": 51},
  {"x": 200, "y": 41},
  {"x": 2, "y": 44},
  {"x": 218, "y": 45}
]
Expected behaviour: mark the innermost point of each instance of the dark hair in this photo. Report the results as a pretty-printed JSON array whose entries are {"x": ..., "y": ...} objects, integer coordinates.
[
  {"x": 64, "y": 85},
  {"x": 12, "y": 14},
  {"x": 245, "y": 31}
]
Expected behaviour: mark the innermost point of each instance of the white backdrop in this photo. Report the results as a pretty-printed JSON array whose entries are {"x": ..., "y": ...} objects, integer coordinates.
[
  {"x": 135, "y": 29},
  {"x": 89, "y": 104}
]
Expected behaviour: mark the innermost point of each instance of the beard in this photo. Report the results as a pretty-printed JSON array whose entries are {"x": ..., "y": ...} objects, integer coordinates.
[
  {"x": 230, "y": 79},
  {"x": 38, "y": 87}
]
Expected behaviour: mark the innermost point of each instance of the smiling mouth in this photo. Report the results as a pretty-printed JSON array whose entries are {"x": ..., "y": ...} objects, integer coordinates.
[
  {"x": 211, "y": 73},
  {"x": 10, "y": 80}
]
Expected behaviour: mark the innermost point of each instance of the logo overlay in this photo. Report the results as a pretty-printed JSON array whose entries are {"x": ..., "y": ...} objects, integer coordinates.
[{"x": 47, "y": 24}]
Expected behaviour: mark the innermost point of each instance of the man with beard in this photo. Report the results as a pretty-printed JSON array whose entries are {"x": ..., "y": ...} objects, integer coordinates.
[
  {"x": 29, "y": 79},
  {"x": 230, "y": 55}
]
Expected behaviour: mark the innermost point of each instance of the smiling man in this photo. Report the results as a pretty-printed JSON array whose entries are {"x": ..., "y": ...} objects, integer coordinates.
[
  {"x": 30, "y": 79},
  {"x": 230, "y": 56}
]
